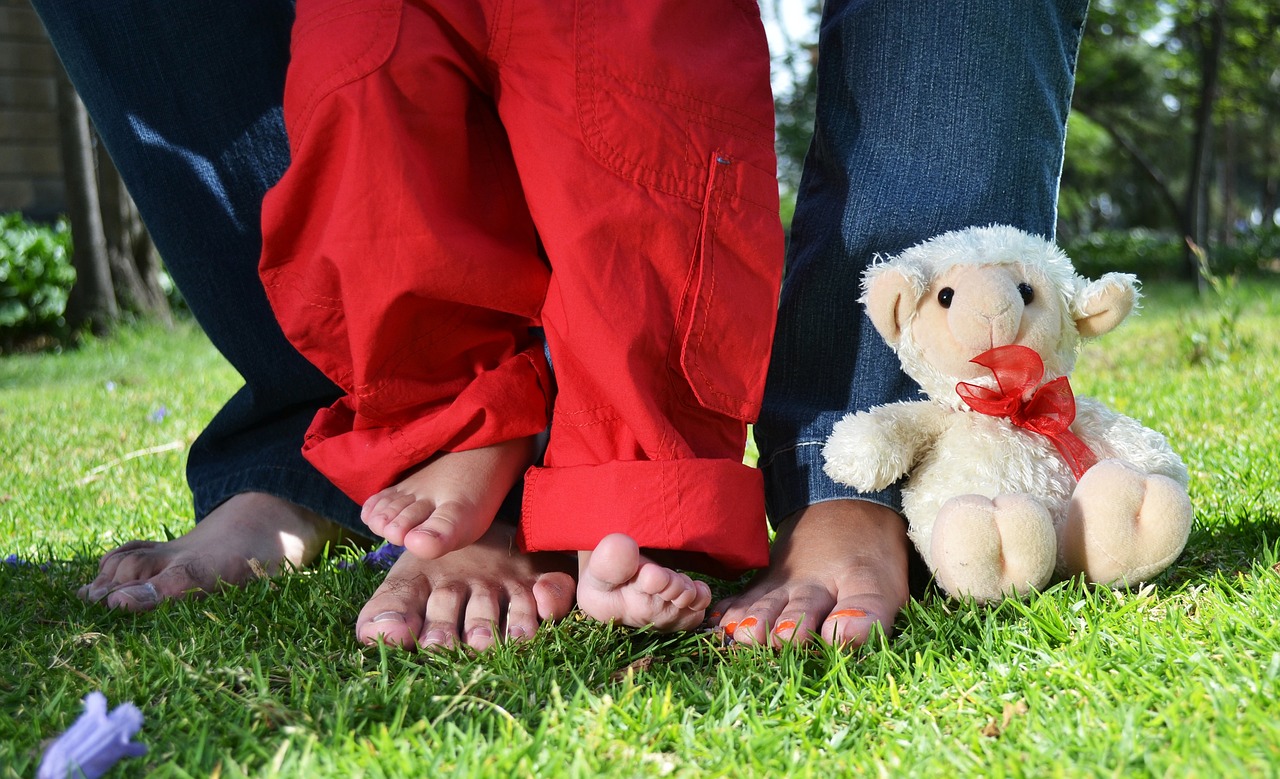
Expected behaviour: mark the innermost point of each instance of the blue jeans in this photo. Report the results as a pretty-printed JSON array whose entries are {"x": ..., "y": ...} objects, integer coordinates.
[
  {"x": 186, "y": 97},
  {"x": 932, "y": 115}
]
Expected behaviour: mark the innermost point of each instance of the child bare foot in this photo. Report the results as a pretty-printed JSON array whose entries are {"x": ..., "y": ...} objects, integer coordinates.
[
  {"x": 475, "y": 596},
  {"x": 618, "y": 584},
  {"x": 837, "y": 569},
  {"x": 450, "y": 501},
  {"x": 250, "y": 534}
]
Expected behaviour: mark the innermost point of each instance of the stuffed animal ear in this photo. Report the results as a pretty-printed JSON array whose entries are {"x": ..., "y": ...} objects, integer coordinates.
[
  {"x": 890, "y": 299},
  {"x": 1103, "y": 304}
]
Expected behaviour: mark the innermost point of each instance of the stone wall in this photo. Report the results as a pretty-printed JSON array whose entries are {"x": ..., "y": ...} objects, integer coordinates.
[{"x": 30, "y": 161}]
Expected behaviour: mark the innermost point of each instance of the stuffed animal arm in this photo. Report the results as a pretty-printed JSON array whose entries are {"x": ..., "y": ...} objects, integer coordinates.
[{"x": 873, "y": 449}]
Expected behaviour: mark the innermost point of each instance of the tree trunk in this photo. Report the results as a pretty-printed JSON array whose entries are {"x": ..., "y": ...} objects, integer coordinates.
[
  {"x": 92, "y": 300},
  {"x": 134, "y": 265},
  {"x": 1270, "y": 196},
  {"x": 1195, "y": 213},
  {"x": 1228, "y": 185}
]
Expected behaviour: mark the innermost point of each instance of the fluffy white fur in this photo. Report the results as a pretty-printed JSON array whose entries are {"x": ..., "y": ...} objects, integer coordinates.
[{"x": 992, "y": 508}]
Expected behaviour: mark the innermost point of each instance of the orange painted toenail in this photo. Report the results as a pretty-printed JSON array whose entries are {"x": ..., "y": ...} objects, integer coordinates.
[
  {"x": 786, "y": 624},
  {"x": 732, "y": 626},
  {"x": 749, "y": 622},
  {"x": 843, "y": 613},
  {"x": 715, "y": 615}
]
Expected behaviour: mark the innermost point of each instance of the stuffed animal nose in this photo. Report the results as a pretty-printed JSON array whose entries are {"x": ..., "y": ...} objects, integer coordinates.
[{"x": 986, "y": 315}]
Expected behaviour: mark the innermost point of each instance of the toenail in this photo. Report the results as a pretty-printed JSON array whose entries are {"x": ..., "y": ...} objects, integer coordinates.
[
  {"x": 715, "y": 615},
  {"x": 517, "y": 632},
  {"x": 389, "y": 616},
  {"x": 729, "y": 628},
  {"x": 144, "y": 594},
  {"x": 786, "y": 624},
  {"x": 847, "y": 614},
  {"x": 98, "y": 592},
  {"x": 435, "y": 637},
  {"x": 749, "y": 622}
]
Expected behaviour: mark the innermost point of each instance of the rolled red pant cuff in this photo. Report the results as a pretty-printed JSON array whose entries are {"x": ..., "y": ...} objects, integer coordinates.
[
  {"x": 361, "y": 455},
  {"x": 710, "y": 510}
]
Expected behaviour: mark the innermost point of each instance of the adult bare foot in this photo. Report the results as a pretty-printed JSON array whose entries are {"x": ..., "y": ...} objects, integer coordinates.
[
  {"x": 618, "y": 584},
  {"x": 475, "y": 596},
  {"x": 250, "y": 534},
  {"x": 836, "y": 570},
  {"x": 450, "y": 501}
]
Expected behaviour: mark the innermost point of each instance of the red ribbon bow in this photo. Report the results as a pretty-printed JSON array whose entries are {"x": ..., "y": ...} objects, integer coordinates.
[{"x": 1049, "y": 412}]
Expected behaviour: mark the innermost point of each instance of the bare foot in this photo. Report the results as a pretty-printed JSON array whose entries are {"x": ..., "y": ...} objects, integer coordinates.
[
  {"x": 475, "y": 596},
  {"x": 249, "y": 535},
  {"x": 618, "y": 584},
  {"x": 450, "y": 501},
  {"x": 837, "y": 569}
]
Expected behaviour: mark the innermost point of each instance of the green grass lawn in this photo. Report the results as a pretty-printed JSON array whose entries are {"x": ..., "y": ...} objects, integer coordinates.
[{"x": 1180, "y": 678}]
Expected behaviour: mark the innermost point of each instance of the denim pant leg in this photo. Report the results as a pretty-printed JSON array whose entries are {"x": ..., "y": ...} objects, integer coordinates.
[
  {"x": 187, "y": 99},
  {"x": 932, "y": 116}
]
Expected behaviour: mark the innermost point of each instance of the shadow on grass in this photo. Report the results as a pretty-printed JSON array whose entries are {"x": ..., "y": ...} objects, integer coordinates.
[{"x": 1227, "y": 550}]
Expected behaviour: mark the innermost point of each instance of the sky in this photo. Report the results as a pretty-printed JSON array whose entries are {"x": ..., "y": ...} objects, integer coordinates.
[{"x": 783, "y": 18}]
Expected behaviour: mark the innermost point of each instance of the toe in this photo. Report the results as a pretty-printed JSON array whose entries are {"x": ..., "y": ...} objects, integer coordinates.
[
  {"x": 111, "y": 560},
  {"x": 483, "y": 613},
  {"x": 431, "y": 536},
  {"x": 401, "y": 517},
  {"x": 127, "y": 563},
  {"x": 752, "y": 621},
  {"x": 395, "y": 612},
  {"x": 786, "y": 630},
  {"x": 801, "y": 614},
  {"x": 392, "y": 627},
  {"x": 384, "y": 507},
  {"x": 139, "y": 596},
  {"x": 660, "y": 581},
  {"x": 694, "y": 596},
  {"x": 522, "y": 615},
  {"x": 444, "y": 612},
  {"x": 449, "y": 527},
  {"x": 854, "y": 619},
  {"x": 614, "y": 562},
  {"x": 751, "y": 630},
  {"x": 703, "y": 599},
  {"x": 554, "y": 593},
  {"x": 95, "y": 591},
  {"x": 178, "y": 580}
]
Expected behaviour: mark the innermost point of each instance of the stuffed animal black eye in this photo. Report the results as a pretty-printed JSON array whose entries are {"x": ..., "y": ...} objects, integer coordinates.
[
  {"x": 1028, "y": 294},
  {"x": 945, "y": 295}
]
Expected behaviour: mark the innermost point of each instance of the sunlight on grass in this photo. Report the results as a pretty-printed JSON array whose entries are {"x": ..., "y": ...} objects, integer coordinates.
[{"x": 1178, "y": 678}]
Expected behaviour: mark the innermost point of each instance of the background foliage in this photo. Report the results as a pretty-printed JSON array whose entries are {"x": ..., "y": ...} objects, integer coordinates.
[
  {"x": 1174, "y": 132},
  {"x": 35, "y": 277}
]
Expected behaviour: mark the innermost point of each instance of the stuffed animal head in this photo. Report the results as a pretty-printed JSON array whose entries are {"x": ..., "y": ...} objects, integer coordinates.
[{"x": 943, "y": 302}]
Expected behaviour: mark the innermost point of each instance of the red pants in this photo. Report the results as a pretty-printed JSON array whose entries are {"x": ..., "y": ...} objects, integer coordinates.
[{"x": 464, "y": 170}]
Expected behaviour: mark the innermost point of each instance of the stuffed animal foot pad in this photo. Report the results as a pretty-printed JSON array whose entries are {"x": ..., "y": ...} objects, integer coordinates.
[
  {"x": 1123, "y": 526},
  {"x": 988, "y": 548}
]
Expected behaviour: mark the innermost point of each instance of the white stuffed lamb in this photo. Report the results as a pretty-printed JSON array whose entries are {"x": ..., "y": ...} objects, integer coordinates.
[{"x": 1009, "y": 479}]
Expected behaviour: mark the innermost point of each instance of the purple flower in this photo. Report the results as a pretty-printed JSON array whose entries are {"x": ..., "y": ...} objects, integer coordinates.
[
  {"x": 159, "y": 414},
  {"x": 94, "y": 742},
  {"x": 14, "y": 561},
  {"x": 384, "y": 556}
]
